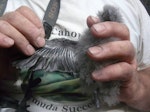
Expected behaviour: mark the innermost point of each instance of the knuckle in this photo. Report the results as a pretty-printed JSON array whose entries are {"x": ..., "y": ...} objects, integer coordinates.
[
  {"x": 123, "y": 50},
  {"x": 22, "y": 9},
  {"x": 126, "y": 31},
  {"x": 123, "y": 65},
  {"x": 119, "y": 71},
  {"x": 3, "y": 24},
  {"x": 125, "y": 47},
  {"x": 117, "y": 29},
  {"x": 34, "y": 33},
  {"x": 125, "y": 70},
  {"x": 111, "y": 48},
  {"x": 11, "y": 16},
  {"x": 109, "y": 26},
  {"x": 129, "y": 48}
]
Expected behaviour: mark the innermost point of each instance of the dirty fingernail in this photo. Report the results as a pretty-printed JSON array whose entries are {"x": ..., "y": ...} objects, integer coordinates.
[
  {"x": 94, "y": 19},
  {"x": 8, "y": 41},
  {"x": 29, "y": 50},
  {"x": 99, "y": 28},
  {"x": 95, "y": 50},
  {"x": 40, "y": 41}
]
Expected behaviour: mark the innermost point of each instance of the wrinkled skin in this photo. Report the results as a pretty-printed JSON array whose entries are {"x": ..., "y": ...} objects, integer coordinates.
[{"x": 21, "y": 31}]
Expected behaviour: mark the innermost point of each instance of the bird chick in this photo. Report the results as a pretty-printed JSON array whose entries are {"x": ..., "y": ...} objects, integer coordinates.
[
  {"x": 69, "y": 56},
  {"x": 102, "y": 92}
]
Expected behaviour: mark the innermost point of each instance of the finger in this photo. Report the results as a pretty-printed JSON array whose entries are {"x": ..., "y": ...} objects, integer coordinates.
[
  {"x": 19, "y": 40},
  {"x": 92, "y": 20},
  {"x": 5, "y": 41},
  {"x": 120, "y": 71},
  {"x": 30, "y": 15},
  {"x": 26, "y": 27},
  {"x": 110, "y": 29},
  {"x": 119, "y": 50}
]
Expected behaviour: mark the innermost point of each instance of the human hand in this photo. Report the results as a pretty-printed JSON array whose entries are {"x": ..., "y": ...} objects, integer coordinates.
[
  {"x": 131, "y": 90},
  {"x": 22, "y": 30}
]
